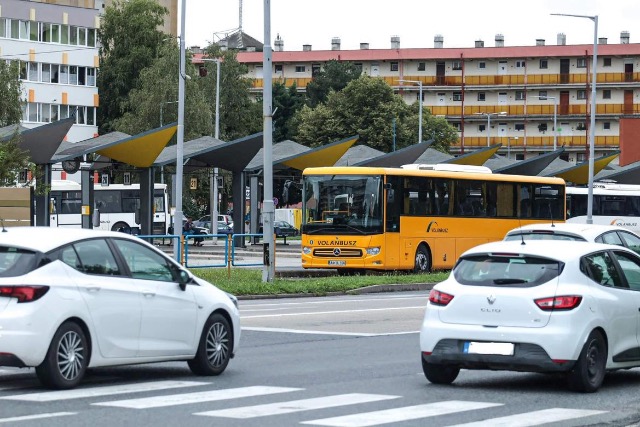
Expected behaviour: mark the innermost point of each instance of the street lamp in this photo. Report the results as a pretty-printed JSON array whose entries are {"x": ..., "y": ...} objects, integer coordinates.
[
  {"x": 501, "y": 113},
  {"x": 213, "y": 183},
  {"x": 592, "y": 129},
  {"x": 419, "y": 83},
  {"x": 555, "y": 115}
]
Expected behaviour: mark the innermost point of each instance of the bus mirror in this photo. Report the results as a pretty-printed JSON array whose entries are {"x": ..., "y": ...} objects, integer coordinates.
[
  {"x": 390, "y": 195},
  {"x": 388, "y": 186},
  {"x": 137, "y": 216},
  {"x": 96, "y": 218}
]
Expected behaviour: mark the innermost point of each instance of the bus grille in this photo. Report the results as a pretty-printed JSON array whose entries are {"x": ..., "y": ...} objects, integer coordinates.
[{"x": 344, "y": 253}]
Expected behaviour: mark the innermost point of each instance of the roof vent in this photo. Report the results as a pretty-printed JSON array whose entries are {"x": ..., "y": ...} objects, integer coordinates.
[
  {"x": 278, "y": 44},
  {"x": 624, "y": 37},
  {"x": 540, "y": 42},
  {"x": 395, "y": 42},
  {"x": 602, "y": 40},
  {"x": 438, "y": 41},
  {"x": 479, "y": 43},
  {"x": 562, "y": 39},
  {"x": 499, "y": 40},
  {"x": 251, "y": 49},
  {"x": 306, "y": 48},
  {"x": 364, "y": 46},
  {"x": 335, "y": 43},
  {"x": 449, "y": 167}
]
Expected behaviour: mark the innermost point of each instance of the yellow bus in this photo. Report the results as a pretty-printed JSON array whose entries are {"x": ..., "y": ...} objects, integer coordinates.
[{"x": 418, "y": 217}]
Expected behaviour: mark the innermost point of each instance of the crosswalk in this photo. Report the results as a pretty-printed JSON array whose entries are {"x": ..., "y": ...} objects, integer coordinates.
[{"x": 288, "y": 401}]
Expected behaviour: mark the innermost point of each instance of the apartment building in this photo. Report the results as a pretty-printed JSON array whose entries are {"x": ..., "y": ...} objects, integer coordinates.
[
  {"x": 500, "y": 94},
  {"x": 56, "y": 44}
]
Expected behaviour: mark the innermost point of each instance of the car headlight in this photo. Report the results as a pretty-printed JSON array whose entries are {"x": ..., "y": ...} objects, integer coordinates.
[
  {"x": 373, "y": 251},
  {"x": 306, "y": 250},
  {"x": 233, "y": 299}
]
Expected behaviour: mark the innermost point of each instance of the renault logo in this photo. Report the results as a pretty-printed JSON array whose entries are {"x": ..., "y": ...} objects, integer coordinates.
[
  {"x": 336, "y": 252},
  {"x": 491, "y": 299}
]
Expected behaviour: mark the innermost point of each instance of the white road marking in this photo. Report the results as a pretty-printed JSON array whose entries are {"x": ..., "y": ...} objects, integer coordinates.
[
  {"x": 401, "y": 414},
  {"x": 248, "y": 306},
  {"x": 534, "y": 418},
  {"x": 302, "y": 331},
  {"x": 280, "y": 408},
  {"x": 421, "y": 307},
  {"x": 35, "y": 417},
  {"x": 197, "y": 397},
  {"x": 78, "y": 393}
]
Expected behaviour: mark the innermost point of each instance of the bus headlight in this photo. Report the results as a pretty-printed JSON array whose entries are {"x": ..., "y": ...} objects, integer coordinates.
[
  {"x": 306, "y": 250},
  {"x": 373, "y": 251}
]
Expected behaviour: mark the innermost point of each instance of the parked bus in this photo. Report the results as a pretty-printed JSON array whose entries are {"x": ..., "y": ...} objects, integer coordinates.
[
  {"x": 118, "y": 204},
  {"x": 614, "y": 204},
  {"x": 419, "y": 217}
]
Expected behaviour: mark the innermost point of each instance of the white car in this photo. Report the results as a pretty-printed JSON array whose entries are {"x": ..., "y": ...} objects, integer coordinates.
[
  {"x": 72, "y": 299},
  {"x": 610, "y": 234},
  {"x": 538, "y": 306}
]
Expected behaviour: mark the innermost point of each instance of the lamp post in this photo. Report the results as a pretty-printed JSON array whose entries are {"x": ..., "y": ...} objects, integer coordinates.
[
  {"x": 419, "y": 83},
  {"x": 555, "y": 115},
  {"x": 268, "y": 205},
  {"x": 213, "y": 183},
  {"x": 592, "y": 128},
  {"x": 501, "y": 113}
]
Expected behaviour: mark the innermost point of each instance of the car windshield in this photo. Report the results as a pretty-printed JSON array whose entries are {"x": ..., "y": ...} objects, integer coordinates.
[
  {"x": 17, "y": 262},
  {"x": 505, "y": 270},
  {"x": 544, "y": 235}
]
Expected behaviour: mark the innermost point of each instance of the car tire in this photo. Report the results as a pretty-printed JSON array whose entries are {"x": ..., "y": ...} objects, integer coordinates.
[
  {"x": 66, "y": 360},
  {"x": 121, "y": 226},
  {"x": 588, "y": 373},
  {"x": 439, "y": 374},
  {"x": 422, "y": 263},
  {"x": 215, "y": 347}
]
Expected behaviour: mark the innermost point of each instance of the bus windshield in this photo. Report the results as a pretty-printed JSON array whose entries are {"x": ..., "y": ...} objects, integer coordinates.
[{"x": 344, "y": 204}]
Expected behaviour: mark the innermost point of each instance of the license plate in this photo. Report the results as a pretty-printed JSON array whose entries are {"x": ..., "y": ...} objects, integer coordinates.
[
  {"x": 500, "y": 348},
  {"x": 337, "y": 262}
]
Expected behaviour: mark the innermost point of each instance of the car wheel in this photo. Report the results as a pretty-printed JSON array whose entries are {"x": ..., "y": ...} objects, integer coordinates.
[
  {"x": 215, "y": 347},
  {"x": 423, "y": 260},
  {"x": 121, "y": 226},
  {"x": 439, "y": 374},
  {"x": 67, "y": 358},
  {"x": 588, "y": 373},
  {"x": 350, "y": 272}
]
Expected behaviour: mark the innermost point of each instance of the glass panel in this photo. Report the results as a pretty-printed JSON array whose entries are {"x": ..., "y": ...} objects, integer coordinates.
[
  {"x": 55, "y": 33},
  {"x": 33, "y": 112},
  {"x": 64, "y": 74},
  {"x": 46, "y": 113},
  {"x": 55, "y": 70},
  {"x": 491, "y": 270},
  {"x": 96, "y": 257},
  {"x": 630, "y": 266},
  {"x": 24, "y": 30},
  {"x": 73, "y": 35},
  {"x": 15, "y": 29},
  {"x": 23, "y": 70},
  {"x": 64, "y": 34},
  {"x": 54, "y": 112},
  {"x": 632, "y": 241},
  {"x": 91, "y": 37},
  {"x": 82, "y": 74},
  {"x": 73, "y": 75},
  {"x": 80, "y": 115},
  {"x": 143, "y": 262},
  {"x": 46, "y": 33},
  {"x": 34, "y": 31},
  {"x": 46, "y": 73},
  {"x": 91, "y": 76},
  {"x": 33, "y": 71},
  {"x": 91, "y": 118},
  {"x": 3, "y": 27},
  {"x": 64, "y": 111},
  {"x": 25, "y": 112},
  {"x": 82, "y": 36},
  {"x": 17, "y": 262}
]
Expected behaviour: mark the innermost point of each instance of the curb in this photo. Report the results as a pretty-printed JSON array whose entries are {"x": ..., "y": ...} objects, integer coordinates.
[{"x": 366, "y": 290}]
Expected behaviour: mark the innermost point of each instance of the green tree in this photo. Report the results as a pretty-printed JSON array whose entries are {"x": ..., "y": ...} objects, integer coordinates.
[
  {"x": 288, "y": 101},
  {"x": 12, "y": 158},
  {"x": 129, "y": 42},
  {"x": 334, "y": 76}
]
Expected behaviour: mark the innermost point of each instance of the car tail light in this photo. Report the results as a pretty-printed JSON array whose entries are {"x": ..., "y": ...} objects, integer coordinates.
[
  {"x": 439, "y": 298},
  {"x": 565, "y": 302},
  {"x": 23, "y": 293}
]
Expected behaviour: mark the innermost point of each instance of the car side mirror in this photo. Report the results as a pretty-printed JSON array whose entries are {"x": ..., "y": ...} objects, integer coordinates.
[{"x": 183, "y": 279}]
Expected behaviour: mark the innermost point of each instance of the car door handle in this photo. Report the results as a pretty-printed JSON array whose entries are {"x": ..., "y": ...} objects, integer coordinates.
[
  {"x": 93, "y": 288},
  {"x": 148, "y": 294}
]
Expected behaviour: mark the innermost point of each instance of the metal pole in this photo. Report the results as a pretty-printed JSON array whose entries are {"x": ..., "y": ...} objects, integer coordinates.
[
  {"x": 555, "y": 126},
  {"x": 214, "y": 202},
  {"x": 488, "y": 129},
  {"x": 177, "y": 218},
  {"x": 268, "y": 211},
  {"x": 420, "y": 115}
]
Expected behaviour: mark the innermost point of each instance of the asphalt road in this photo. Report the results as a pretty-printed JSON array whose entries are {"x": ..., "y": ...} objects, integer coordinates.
[{"x": 336, "y": 361}]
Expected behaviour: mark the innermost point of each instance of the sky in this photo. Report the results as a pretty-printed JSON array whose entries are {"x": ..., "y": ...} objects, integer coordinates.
[{"x": 416, "y": 22}]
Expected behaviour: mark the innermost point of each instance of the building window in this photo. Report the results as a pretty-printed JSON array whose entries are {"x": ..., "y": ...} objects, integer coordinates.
[
  {"x": 482, "y": 65},
  {"x": 606, "y": 125},
  {"x": 422, "y": 66},
  {"x": 519, "y": 127},
  {"x": 520, "y": 95},
  {"x": 606, "y": 94},
  {"x": 582, "y": 94},
  {"x": 542, "y": 94},
  {"x": 581, "y": 157},
  {"x": 581, "y": 126},
  {"x": 544, "y": 64},
  {"x": 457, "y": 126},
  {"x": 394, "y": 66},
  {"x": 520, "y": 64},
  {"x": 542, "y": 127},
  {"x": 457, "y": 96},
  {"x": 33, "y": 71},
  {"x": 358, "y": 66},
  {"x": 3, "y": 27},
  {"x": 481, "y": 96},
  {"x": 456, "y": 65},
  {"x": 606, "y": 62},
  {"x": 581, "y": 63},
  {"x": 300, "y": 69},
  {"x": 482, "y": 128},
  {"x": 278, "y": 68}
]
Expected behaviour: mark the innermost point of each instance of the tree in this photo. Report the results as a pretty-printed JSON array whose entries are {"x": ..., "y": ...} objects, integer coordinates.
[
  {"x": 12, "y": 158},
  {"x": 334, "y": 76},
  {"x": 368, "y": 107},
  {"x": 288, "y": 101},
  {"x": 129, "y": 42}
]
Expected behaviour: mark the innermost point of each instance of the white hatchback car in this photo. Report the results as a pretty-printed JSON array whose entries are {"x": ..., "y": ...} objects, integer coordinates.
[
  {"x": 72, "y": 299},
  {"x": 537, "y": 306},
  {"x": 609, "y": 234}
]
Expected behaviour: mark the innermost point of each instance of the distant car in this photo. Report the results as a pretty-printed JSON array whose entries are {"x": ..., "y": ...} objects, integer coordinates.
[
  {"x": 610, "y": 234},
  {"x": 74, "y": 299},
  {"x": 562, "y": 307},
  {"x": 195, "y": 232},
  {"x": 205, "y": 221},
  {"x": 282, "y": 229}
]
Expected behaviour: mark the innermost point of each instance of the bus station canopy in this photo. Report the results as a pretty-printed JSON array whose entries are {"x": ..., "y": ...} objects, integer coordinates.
[
  {"x": 139, "y": 150},
  {"x": 475, "y": 158},
  {"x": 357, "y": 154},
  {"x": 395, "y": 159},
  {"x": 40, "y": 142},
  {"x": 579, "y": 174},
  {"x": 629, "y": 174},
  {"x": 532, "y": 166}
]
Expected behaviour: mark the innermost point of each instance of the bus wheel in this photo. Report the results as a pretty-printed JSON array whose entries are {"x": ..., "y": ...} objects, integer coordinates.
[
  {"x": 121, "y": 226},
  {"x": 423, "y": 260}
]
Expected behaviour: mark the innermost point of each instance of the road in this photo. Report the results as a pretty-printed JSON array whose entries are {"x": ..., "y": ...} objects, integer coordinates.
[{"x": 335, "y": 361}]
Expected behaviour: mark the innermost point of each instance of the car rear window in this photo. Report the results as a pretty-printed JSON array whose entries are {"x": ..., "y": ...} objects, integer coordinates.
[
  {"x": 17, "y": 262},
  {"x": 544, "y": 235},
  {"x": 505, "y": 270}
]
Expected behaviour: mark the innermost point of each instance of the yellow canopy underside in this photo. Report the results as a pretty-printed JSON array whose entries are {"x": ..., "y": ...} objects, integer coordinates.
[
  {"x": 477, "y": 158},
  {"x": 140, "y": 150},
  {"x": 580, "y": 174},
  {"x": 321, "y": 157}
]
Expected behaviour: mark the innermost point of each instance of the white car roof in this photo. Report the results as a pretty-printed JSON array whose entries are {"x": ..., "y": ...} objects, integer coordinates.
[
  {"x": 557, "y": 249},
  {"x": 44, "y": 239},
  {"x": 587, "y": 231}
]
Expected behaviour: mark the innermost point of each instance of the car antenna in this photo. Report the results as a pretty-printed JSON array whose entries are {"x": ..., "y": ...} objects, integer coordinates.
[
  {"x": 4, "y": 230},
  {"x": 521, "y": 231},
  {"x": 553, "y": 224}
]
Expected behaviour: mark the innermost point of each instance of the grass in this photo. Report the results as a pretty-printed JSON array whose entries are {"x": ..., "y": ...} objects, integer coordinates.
[{"x": 249, "y": 281}]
